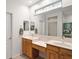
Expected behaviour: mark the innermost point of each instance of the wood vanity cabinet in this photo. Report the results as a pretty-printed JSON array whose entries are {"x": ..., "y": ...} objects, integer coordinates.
[
  {"x": 54, "y": 52},
  {"x": 27, "y": 47}
]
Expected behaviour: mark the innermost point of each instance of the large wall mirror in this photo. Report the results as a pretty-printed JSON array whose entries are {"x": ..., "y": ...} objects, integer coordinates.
[
  {"x": 54, "y": 19},
  {"x": 50, "y": 23},
  {"x": 50, "y": 20},
  {"x": 56, "y": 22}
]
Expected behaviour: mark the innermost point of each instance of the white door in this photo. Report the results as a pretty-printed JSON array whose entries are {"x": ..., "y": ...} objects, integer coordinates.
[
  {"x": 8, "y": 35},
  {"x": 52, "y": 26}
]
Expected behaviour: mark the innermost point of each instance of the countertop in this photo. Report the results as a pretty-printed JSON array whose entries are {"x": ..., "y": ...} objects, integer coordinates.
[{"x": 42, "y": 40}]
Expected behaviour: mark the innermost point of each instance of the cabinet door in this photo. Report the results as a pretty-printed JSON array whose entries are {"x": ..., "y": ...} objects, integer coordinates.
[
  {"x": 60, "y": 56},
  {"x": 52, "y": 55},
  {"x": 67, "y": 57},
  {"x": 65, "y": 54},
  {"x": 24, "y": 47},
  {"x": 27, "y": 47}
]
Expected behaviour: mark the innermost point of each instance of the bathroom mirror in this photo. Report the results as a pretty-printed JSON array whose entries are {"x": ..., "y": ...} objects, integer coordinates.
[
  {"x": 55, "y": 21},
  {"x": 51, "y": 23},
  {"x": 50, "y": 20}
]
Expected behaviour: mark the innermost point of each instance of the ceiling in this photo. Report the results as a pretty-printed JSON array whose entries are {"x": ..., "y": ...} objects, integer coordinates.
[
  {"x": 23, "y": 2},
  {"x": 32, "y": 2}
]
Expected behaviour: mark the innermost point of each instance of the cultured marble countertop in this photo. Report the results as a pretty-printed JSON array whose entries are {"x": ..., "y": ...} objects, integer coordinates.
[
  {"x": 61, "y": 43},
  {"x": 42, "y": 40}
]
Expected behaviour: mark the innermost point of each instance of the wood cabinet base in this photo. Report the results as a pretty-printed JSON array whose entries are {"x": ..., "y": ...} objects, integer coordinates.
[{"x": 54, "y": 52}]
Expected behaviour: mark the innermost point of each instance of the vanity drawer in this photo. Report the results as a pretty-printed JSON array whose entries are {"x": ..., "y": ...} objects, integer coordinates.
[
  {"x": 42, "y": 49},
  {"x": 54, "y": 48},
  {"x": 35, "y": 46}
]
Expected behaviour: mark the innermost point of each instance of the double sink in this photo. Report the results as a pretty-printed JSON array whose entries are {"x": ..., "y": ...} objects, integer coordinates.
[{"x": 43, "y": 42}]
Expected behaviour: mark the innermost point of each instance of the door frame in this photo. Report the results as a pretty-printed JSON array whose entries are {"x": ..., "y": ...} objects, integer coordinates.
[{"x": 11, "y": 31}]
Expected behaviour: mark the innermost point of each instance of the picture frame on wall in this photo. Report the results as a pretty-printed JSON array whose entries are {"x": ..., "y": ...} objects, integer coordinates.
[
  {"x": 32, "y": 26},
  {"x": 26, "y": 25},
  {"x": 67, "y": 29}
]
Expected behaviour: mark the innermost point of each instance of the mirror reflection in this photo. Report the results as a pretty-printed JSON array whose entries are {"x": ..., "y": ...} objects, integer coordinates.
[
  {"x": 52, "y": 26},
  {"x": 67, "y": 21},
  {"x": 51, "y": 23},
  {"x": 54, "y": 19}
]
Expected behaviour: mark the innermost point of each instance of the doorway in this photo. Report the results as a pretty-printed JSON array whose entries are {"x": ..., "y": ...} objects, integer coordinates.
[{"x": 8, "y": 35}]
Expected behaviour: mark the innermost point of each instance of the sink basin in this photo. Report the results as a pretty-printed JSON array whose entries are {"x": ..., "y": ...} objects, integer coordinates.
[
  {"x": 68, "y": 43},
  {"x": 40, "y": 39},
  {"x": 62, "y": 43},
  {"x": 40, "y": 43},
  {"x": 56, "y": 41}
]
